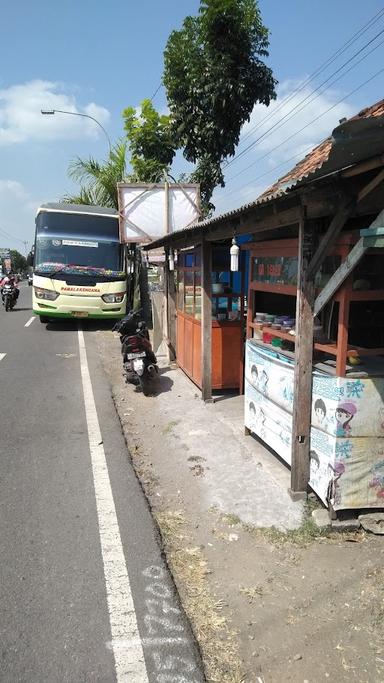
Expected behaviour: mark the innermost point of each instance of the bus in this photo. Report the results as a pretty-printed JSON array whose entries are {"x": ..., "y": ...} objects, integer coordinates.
[{"x": 78, "y": 263}]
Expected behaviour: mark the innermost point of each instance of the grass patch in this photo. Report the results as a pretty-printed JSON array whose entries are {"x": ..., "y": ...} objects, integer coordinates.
[
  {"x": 231, "y": 519},
  {"x": 307, "y": 532},
  {"x": 170, "y": 426},
  {"x": 212, "y": 630},
  {"x": 252, "y": 593}
]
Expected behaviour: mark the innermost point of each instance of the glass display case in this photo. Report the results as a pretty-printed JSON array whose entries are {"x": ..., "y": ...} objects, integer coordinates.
[{"x": 228, "y": 321}]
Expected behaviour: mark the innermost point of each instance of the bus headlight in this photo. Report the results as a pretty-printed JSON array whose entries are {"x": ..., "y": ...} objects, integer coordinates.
[
  {"x": 113, "y": 298},
  {"x": 49, "y": 294}
]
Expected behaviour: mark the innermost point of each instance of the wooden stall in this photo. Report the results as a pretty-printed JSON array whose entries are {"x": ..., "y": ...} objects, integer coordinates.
[
  {"x": 351, "y": 324},
  {"x": 315, "y": 217},
  {"x": 345, "y": 369},
  {"x": 227, "y": 302}
]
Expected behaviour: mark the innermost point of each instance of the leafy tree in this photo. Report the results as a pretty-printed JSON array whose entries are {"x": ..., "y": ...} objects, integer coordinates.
[
  {"x": 98, "y": 181},
  {"x": 214, "y": 75},
  {"x": 150, "y": 142},
  {"x": 19, "y": 263}
]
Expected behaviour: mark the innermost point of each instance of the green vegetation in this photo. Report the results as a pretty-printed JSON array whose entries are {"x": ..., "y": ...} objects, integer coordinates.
[
  {"x": 98, "y": 181},
  {"x": 150, "y": 142},
  {"x": 214, "y": 75}
]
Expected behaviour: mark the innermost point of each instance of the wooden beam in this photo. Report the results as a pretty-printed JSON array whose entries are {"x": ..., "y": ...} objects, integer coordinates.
[
  {"x": 342, "y": 331},
  {"x": 348, "y": 265},
  {"x": 170, "y": 289},
  {"x": 301, "y": 423},
  {"x": 206, "y": 321},
  {"x": 363, "y": 167},
  {"x": 340, "y": 275},
  {"x": 371, "y": 185},
  {"x": 334, "y": 229}
]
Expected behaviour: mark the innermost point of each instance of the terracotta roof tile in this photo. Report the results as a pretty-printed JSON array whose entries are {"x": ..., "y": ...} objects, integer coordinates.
[{"x": 316, "y": 158}]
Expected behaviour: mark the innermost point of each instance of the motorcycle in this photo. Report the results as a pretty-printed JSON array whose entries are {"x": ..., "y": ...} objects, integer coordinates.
[
  {"x": 139, "y": 361},
  {"x": 9, "y": 296}
]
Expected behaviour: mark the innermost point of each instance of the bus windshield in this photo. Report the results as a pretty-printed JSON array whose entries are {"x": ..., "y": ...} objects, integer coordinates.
[
  {"x": 77, "y": 244},
  {"x": 76, "y": 255}
]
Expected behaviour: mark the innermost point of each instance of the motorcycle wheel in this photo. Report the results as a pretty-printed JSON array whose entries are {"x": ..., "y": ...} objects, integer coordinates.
[
  {"x": 145, "y": 384},
  {"x": 7, "y": 304}
]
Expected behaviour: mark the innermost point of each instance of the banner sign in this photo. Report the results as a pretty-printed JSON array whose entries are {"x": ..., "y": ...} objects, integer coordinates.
[
  {"x": 347, "y": 431},
  {"x": 150, "y": 211},
  {"x": 276, "y": 270}
]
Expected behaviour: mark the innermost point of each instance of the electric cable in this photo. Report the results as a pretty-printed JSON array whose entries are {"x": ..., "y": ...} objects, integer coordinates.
[
  {"x": 156, "y": 91},
  {"x": 319, "y": 70},
  {"x": 11, "y": 237},
  {"x": 342, "y": 99},
  {"x": 296, "y": 110}
]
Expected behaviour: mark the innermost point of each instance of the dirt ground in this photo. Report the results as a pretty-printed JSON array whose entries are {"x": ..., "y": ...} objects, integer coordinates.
[{"x": 266, "y": 606}]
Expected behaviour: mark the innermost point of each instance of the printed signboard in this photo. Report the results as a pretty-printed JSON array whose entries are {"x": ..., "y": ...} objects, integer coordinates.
[{"x": 347, "y": 433}]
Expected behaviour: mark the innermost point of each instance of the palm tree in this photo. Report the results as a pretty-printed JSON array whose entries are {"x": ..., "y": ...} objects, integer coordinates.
[{"x": 98, "y": 181}]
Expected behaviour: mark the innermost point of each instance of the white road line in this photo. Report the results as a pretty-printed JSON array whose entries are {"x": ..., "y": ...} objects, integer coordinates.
[
  {"x": 2, "y": 355},
  {"x": 129, "y": 660},
  {"x": 30, "y": 321}
]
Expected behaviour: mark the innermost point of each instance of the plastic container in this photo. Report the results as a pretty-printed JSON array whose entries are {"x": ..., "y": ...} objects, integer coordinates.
[{"x": 277, "y": 342}]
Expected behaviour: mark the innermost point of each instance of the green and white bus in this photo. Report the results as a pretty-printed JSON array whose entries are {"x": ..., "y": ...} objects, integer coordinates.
[{"x": 78, "y": 263}]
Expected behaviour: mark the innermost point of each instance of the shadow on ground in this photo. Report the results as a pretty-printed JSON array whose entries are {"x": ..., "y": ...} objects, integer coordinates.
[{"x": 73, "y": 325}]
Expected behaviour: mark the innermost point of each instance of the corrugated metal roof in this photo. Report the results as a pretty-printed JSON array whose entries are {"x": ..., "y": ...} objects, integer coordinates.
[
  {"x": 320, "y": 157},
  {"x": 356, "y": 139}
]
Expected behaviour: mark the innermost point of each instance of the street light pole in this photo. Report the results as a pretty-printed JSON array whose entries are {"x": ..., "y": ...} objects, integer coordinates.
[{"x": 51, "y": 112}]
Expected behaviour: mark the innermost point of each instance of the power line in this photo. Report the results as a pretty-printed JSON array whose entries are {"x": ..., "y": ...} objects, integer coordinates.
[
  {"x": 317, "y": 71},
  {"x": 11, "y": 237},
  {"x": 296, "y": 110},
  {"x": 352, "y": 92},
  {"x": 301, "y": 154},
  {"x": 156, "y": 91}
]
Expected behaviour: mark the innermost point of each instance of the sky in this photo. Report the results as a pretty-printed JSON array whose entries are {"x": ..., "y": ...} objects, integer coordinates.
[{"x": 97, "y": 58}]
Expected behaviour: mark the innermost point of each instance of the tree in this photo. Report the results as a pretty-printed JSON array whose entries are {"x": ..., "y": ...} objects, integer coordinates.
[
  {"x": 150, "y": 142},
  {"x": 214, "y": 76},
  {"x": 18, "y": 261},
  {"x": 98, "y": 181}
]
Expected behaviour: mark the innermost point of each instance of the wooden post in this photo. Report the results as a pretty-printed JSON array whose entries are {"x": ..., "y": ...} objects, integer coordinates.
[
  {"x": 166, "y": 274},
  {"x": 342, "y": 330},
  {"x": 206, "y": 321},
  {"x": 302, "y": 401},
  {"x": 171, "y": 297}
]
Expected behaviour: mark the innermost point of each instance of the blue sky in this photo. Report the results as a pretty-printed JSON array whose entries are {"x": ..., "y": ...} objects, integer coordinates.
[{"x": 97, "y": 58}]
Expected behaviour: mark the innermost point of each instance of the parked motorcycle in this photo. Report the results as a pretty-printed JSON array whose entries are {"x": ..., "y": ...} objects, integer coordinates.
[
  {"x": 9, "y": 296},
  {"x": 139, "y": 361}
]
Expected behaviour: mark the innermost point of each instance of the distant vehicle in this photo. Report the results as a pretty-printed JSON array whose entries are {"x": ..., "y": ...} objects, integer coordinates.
[
  {"x": 9, "y": 295},
  {"x": 79, "y": 269},
  {"x": 30, "y": 279}
]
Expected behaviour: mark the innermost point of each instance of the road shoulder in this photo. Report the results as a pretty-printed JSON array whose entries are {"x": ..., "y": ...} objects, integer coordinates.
[{"x": 265, "y": 605}]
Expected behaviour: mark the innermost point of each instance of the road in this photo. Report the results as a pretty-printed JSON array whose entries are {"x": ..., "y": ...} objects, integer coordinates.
[{"x": 84, "y": 591}]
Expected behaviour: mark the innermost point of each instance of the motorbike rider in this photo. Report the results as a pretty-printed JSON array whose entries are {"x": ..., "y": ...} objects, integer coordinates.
[{"x": 10, "y": 279}]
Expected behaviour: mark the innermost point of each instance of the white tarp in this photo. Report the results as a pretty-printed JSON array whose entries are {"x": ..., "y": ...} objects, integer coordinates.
[{"x": 143, "y": 214}]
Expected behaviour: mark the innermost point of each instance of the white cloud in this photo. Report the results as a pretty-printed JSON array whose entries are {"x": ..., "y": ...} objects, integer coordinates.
[
  {"x": 279, "y": 136},
  {"x": 12, "y": 190},
  {"x": 22, "y": 121},
  {"x": 17, "y": 211}
]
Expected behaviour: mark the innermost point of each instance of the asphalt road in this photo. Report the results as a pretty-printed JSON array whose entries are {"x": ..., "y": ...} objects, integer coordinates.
[{"x": 84, "y": 591}]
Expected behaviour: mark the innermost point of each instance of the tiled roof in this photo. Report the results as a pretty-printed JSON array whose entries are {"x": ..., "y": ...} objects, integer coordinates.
[
  {"x": 352, "y": 141},
  {"x": 317, "y": 156}
]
